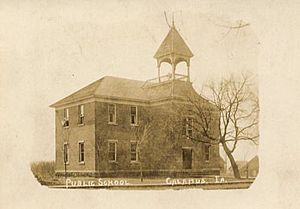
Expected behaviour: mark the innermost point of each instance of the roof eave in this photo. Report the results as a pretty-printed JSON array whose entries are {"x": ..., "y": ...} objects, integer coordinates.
[
  {"x": 61, "y": 104},
  {"x": 167, "y": 54}
]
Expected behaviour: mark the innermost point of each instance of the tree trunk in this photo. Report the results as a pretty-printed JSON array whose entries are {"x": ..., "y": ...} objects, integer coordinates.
[
  {"x": 141, "y": 173},
  {"x": 234, "y": 166}
]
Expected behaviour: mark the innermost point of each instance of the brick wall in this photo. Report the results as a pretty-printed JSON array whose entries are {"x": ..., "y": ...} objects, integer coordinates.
[
  {"x": 72, "y": 135},
  {"x": 160, "y": 151},
  {"x": 122, "y": 131}
]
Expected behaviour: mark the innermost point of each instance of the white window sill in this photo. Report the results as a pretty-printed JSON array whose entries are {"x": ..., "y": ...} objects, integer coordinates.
[
  {"x": 81, "y": 163},
  {"x": 112, "y": 123},
  {"x": 81, "y": 124},
  {"x": 66, "y": 127},
  {"x": 110, "y": 161},
  {"x": 135, "y": 162},
  {"x": 134, "y": 124}
]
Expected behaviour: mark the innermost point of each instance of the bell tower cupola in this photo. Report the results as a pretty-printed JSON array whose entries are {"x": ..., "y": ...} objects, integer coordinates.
[{"x": 173, "y": 50}]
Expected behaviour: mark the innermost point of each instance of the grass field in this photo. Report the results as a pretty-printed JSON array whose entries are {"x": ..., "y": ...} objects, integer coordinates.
[{"x": 44, "y": 172}]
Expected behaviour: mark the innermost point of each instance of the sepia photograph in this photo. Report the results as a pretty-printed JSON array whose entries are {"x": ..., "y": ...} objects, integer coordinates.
[
  {"x": 162, "y": 104},
  {"x": 162, "y": 132}
]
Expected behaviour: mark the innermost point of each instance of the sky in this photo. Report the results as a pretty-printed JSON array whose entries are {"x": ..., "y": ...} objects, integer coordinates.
[{"x": 49, "y": 49}]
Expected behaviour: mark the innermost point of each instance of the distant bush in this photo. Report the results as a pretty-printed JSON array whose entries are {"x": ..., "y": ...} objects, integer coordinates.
[{"x": 44, "y": 172}]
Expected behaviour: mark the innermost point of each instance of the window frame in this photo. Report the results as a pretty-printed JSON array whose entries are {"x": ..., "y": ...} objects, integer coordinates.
[
  {"x": 136, "y": 152},
  {"x": 80, "y": 160},
  {"x": 66, "y": 116},
  {"x": 66, "y": 152},
  {"x": 115, "y": 142},
  {"x": 206, "y": 152},
  {"x": 81, "y": 114},
  {"x": 187, "y": 127},
  {"x": 115, "y": 113},
  {"x": 136, "y": 116}
]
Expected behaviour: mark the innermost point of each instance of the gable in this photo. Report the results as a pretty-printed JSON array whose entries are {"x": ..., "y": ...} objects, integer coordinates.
[{"x": 173, "y": 43}]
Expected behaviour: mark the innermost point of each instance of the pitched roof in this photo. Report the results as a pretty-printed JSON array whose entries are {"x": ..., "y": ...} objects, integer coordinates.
[
  {"x": 122, "y": 88},
  {"x": 173, "y": 43},
  {"x": 253, "y": 163}
]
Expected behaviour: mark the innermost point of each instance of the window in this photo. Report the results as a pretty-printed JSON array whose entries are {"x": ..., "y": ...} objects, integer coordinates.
[
  {"x": 66, "y": 117},
  {"x": 133, "y": 115},
  {"x": 112, "y": 151},
  {"x": 133, "y": 151},
  {"x": 80, "y": 114},
  {"x": 112, "y": 113},
  {"x": 81, "y": 152},
  {"x": 187, "y": 127},
  {"x": 206, "y": 152},
  {"x": 66, "y": 153}
]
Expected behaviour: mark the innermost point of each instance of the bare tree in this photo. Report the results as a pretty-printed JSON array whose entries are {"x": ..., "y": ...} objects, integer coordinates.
[
  {"x": 148, "y": 130},
  {"x": 142, "y": 133},
  {"x": 232, "y": 107}
]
